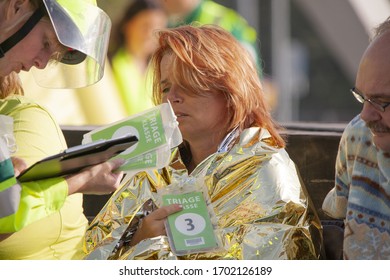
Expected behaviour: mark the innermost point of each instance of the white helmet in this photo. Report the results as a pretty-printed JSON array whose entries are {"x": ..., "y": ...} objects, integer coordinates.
[{"x": 84, "y": 29}]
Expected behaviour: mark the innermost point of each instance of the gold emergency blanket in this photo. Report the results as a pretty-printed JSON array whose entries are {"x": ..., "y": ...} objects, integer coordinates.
[{"x": 262, "y": 209}]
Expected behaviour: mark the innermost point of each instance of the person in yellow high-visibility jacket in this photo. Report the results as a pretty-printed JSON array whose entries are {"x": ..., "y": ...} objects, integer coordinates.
[
  {"x": 134, "y": 44},
  {"x": 44, "y": 219}
]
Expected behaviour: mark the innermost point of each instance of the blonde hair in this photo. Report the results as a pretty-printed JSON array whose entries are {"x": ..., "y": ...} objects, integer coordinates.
[
  {"x": 208, "y": 59},
  {"x": 10, "y": 84}
]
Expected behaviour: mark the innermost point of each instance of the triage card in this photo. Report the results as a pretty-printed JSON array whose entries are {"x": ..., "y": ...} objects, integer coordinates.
[
  {"x": 190, "y": 230},
  {"x": 157, "y": 132}
]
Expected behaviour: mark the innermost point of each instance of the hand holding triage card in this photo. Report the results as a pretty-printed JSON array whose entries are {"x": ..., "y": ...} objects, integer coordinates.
[
  {"x": 157, "y": 132},
  {"x": 193, "y": 229}
]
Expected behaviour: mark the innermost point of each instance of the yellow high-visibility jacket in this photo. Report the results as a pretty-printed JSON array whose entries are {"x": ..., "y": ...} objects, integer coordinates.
[
  {"x": 49, "y": 223},
  {"x": 22, "y": 204}
]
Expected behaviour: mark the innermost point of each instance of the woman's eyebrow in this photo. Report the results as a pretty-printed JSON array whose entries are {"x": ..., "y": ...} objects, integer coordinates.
[{"x": 164, "y": 82}]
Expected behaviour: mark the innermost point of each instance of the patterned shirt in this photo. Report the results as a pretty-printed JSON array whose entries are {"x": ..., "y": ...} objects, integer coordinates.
[{"x": 362, "y": 194}]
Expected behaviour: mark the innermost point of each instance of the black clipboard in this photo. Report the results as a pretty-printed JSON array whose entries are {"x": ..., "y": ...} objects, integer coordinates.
[{"x": 76, "y": 158}]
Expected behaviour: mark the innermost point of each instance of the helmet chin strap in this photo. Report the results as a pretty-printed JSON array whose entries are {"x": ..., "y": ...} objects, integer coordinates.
[{"x": 22, "y": 32}]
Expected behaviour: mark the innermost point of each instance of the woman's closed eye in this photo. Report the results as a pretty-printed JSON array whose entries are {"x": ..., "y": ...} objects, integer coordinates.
[{"x": 165, "y": 90}]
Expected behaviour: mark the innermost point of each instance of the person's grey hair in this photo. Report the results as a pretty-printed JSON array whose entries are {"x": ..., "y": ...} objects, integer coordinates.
[{"x": 381, "y": 28}]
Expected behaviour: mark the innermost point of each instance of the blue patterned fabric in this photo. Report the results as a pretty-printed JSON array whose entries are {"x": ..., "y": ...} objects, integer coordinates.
[{"x": 362, "y": 194}]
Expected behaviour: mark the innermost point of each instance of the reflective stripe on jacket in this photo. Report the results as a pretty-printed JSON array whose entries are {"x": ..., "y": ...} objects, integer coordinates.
[{"x": 22, "y": 204}]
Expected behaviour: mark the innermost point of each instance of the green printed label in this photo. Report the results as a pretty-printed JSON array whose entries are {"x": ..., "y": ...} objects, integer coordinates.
[
  {"x": 191, "y": 229},
  {"x": 147, "y": 127},
  {"x": 148, "y": 160}
]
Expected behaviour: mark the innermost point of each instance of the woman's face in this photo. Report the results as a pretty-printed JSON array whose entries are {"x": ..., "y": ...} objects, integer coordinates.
[
  {"x": 173, "y": 7},
  {"x": 199, "y": 116},
  {"x": 33, "y": 50},
  {"x": 139, "y": 31}
]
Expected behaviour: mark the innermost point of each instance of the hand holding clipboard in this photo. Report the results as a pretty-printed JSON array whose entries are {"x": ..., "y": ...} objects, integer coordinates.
[{"x": 76, "y": 158}]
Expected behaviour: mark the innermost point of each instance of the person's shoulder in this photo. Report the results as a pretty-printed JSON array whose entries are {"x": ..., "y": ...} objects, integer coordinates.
[
  {"x": 120, "y": 54},
  {"x": 225, "y": 13},
  {"x": 214, "y": 6},
  {"x": 229, "y": 19},
  {"x": 16, "y": 104},
  {"x": 356, "y": 125},
  {"x": 13, "y": 102},
  {"x": 356, "y": 131},
  {"x": 18, "y": 100}
]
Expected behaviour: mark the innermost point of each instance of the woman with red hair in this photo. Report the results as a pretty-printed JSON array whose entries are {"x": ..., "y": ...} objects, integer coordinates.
[{"x": 231, "y": 144}]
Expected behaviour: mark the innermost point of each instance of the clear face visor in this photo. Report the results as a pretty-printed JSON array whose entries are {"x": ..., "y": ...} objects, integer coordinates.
[{"x": 84, "y": 29}]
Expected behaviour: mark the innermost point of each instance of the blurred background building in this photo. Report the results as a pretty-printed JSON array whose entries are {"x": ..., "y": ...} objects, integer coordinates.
[{"x": 310, "y": 51}]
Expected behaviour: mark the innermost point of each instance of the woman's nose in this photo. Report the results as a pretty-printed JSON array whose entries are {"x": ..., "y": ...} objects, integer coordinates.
[
  {"x": 174, "y": 97},
  {"x": 40, "y": 64},
  {"x": 41, "y": 60}
]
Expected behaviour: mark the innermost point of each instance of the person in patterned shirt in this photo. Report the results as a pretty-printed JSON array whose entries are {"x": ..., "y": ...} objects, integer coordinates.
[{"x": 361, "y": 194}]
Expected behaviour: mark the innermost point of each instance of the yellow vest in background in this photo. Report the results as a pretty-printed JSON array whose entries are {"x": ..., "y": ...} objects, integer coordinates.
[{"x": 98, "y": 104}]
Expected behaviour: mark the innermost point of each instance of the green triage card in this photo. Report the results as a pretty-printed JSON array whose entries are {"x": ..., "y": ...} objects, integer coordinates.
[
  {"x": 190, "y": 230},
  {"x": 157, "y": 132},
  {"x": 147, "y": 127}
]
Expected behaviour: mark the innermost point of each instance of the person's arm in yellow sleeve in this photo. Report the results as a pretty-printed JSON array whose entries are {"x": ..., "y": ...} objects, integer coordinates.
[
  {"x": 38, "y": 135},
  {"x": 23, "y": 203}
]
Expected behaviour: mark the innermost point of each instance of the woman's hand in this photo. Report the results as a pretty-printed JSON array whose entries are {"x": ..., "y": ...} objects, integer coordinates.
[
  {"x": 153, "y": 224},
  {"x": 19, "y": 165},
  {"x": 98, "y": 179}
]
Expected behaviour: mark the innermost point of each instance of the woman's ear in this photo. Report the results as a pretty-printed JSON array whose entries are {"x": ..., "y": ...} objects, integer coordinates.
[{"x": 19, "y": 8}]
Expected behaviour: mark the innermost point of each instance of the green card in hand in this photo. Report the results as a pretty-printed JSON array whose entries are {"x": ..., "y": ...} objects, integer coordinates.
[{"x": 190, "y": 230}]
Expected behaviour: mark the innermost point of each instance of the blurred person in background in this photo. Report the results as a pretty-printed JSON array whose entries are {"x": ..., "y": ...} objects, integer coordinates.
[
  {"x": 181, "y": 12},
  {"x": 132, "y": 45},
  {"x": 97, "y": 104}
]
